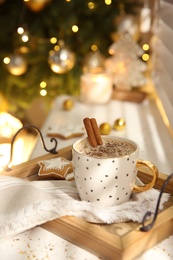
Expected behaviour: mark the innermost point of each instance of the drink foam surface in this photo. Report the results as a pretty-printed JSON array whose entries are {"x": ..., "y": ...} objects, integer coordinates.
[{"x": 112, "y": 148}]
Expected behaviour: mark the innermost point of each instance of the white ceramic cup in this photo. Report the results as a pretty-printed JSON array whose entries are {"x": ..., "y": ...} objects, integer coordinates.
[{"x": 109, "y": 181}]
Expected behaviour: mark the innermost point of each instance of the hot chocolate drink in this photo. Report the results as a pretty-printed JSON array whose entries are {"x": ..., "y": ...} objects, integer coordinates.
[
  {"x": 106, "y": 174},
  {"x": 111, "y": 148}
]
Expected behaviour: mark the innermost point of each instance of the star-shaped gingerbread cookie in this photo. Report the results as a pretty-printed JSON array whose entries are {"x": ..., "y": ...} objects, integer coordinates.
[
  {"x": 65, "y": 131},
  {"x": 56, "y": 167}
]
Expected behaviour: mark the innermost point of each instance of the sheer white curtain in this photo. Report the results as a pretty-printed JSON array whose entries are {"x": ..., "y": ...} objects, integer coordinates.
[{"x": 162, "y": 45}]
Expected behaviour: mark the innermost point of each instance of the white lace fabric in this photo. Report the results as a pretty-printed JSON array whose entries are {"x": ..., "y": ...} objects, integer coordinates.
[{"x": 26, "y": 204}]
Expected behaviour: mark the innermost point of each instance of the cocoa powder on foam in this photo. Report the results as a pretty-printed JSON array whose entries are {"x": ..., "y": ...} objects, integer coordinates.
[{"x": 110, "y": 148}]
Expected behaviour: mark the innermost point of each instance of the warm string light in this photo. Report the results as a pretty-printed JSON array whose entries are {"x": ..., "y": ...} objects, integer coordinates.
[
  {"x": 145, "y": 47},
  {"x": 108, "y": 2},
  {"x": 56, "y": 47},
  {"x": 6, "y": 60},
  {"x": 145, "y": 56},
  {"x": 43, "y": 84},
  {"x": 53, "y": 40},
  {"x": 94, "y": 47},
  {"x": 20, "y": 30},
  {"x": 91, "y": 5},
  {"x": 43, "y": 91},
  {"x": 75, "y": 28},
  {"x": 24, "y": 34}
]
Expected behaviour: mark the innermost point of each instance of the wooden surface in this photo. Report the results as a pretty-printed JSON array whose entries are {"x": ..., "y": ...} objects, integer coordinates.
[
  {"x": 31, "y": 167},
  {"x": 128, "y": 95},
  {"x": 115, "y": 241}
]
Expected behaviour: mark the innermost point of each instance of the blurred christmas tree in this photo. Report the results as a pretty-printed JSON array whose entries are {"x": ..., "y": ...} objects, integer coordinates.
[
  {"x": 30, "y": 29},
  {"x": 124, "y": 63}
]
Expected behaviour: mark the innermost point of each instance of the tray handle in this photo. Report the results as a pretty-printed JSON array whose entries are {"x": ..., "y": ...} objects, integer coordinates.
[
  {"x": 53, "y": 150},
  {"x": 149, "y": 213}
]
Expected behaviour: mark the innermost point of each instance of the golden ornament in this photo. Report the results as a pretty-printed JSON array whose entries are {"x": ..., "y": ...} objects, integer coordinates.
[
  {"x": 94, "y": 63},
  {"x": 17, "y": 65},
  {"x": 68, "y": 104},
  {"x": 62, "y": 60},
  {"x": 105, "y": 129},
  {"x": 37, "y": 5},
  {"x": 119, "y": 124}
]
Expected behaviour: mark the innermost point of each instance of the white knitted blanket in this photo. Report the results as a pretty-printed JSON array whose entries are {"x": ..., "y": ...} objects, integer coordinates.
[{"x": 26, "y": 204}]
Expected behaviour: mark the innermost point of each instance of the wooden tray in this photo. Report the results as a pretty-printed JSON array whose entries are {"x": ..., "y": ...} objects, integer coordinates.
[
  {"x": 115, "y": 241},
  {"x": 129, "y": 95}
]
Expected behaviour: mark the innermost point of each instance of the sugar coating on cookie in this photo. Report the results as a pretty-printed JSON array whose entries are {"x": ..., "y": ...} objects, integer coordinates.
[
  {"x": 65, "y": 131},
  {"x": 57, "y": 167}
]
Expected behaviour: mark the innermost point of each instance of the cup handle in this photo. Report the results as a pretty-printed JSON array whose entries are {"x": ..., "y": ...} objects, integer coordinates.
[{"x": 154, "y": 170}]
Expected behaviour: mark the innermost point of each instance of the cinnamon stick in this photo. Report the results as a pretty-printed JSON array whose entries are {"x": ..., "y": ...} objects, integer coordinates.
[
  {"x": 96, "y": 131},
  {"x": 92, "y": 130}
]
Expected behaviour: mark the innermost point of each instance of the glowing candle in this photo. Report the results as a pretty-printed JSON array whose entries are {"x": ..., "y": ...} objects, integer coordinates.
[{"x": 95, "y": 88}]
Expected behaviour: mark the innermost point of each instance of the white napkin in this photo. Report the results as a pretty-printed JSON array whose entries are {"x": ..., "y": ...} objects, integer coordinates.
[{"x": 25, "y": 204}]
